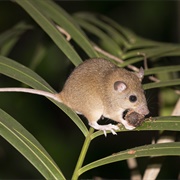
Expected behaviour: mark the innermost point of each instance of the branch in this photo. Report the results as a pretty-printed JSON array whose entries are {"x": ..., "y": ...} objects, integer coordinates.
[
  {"x": 63, "y": 31},
  {"x": 98, "y": 49}
]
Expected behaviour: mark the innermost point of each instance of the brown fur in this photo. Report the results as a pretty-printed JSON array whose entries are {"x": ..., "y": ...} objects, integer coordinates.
[{"x": 89, "y": 90}]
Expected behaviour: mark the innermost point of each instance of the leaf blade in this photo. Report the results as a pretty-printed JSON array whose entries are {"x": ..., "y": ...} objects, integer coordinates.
[
  {"x": 169, "y": 83},
  {"x": 107, "y": 41},
  {"x": 161, "y": 123},
  {"x": 164, "y": 149},
  {"x": 25, "y": 75},
  {"x": 27, "y": 145},
  {"x": 11, "y": 36},
  {"x": 62, "y": 18},
  {"x": 112, "y": 32},
  {"x": 162, "y": 69},
  {"x": 49, "y": 28}
]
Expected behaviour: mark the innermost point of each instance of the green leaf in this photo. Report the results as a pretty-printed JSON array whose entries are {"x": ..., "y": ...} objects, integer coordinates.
[
  {"x": 25, "y": 75},
  {"x": 27, "y": 145},
  {"x": 169, "y": 83},
  {"x": 162, "y": 69},
  {"x": 112, "y": 32},
  {"x": 134, "y": 41},
  {"x": 152, "y": 52},
  {"x": 169, "y": 123},
  {"x": 107, "y": 41},
  {"x": 11, "y": 36},
  {"x": 164, "y": 149},
  {"x": 142, "y": 43},
  {"x": 128, "y": 34},
  {"x": 132, "y": 61},
  {"x": 48, "y": 26},
  {"x": 63, "y": 19},
  {"x": 175, "y": 52},
  {"x": 40, "y": 53}
]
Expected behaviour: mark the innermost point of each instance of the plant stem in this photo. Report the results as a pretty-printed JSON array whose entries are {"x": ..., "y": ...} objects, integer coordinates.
[{"x": 82, "y": 154}]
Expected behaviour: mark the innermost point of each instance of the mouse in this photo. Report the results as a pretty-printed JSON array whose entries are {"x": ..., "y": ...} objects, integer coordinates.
[{"x": 98, "y": 88}]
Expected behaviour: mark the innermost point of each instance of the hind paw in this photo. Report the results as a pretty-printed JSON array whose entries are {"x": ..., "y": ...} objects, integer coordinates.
[{"x": 104, "y": 128}]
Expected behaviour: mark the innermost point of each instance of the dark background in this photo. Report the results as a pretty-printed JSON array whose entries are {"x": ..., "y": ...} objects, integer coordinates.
[{"x": 156, "y": 20}]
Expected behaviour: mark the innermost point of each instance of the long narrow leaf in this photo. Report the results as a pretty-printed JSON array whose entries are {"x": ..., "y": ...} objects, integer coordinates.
[
  {"x": 49, "y": 28},
  {"x": 135, "y": 41},
  {"x": 15, "y": 31},
  {"x": 112, "y": 32},
  {"x": 63, "y": 19},
  {"x": 132, "y": 61},
  {"x": 128, "y": 34},
  {"x": 151, "y": 52},
  {"x": 11, "y": 36},
  {"x": 162, "y": 69},
  {"x": 25, "y": 75},
  {"x": 27, "y": 145},
  {"x": 169, "y": 123},
  {"x": 169, "y": 83},
  {"x": 110, "y": 44},
  {"x": 165, "y": 149}
]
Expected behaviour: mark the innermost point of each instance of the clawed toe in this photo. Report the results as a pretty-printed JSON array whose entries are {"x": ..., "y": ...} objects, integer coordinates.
[
  {"x": 112, "y": 131},
  {"x": 112, "y": 128},
  {"x": 104, "y": 128}
]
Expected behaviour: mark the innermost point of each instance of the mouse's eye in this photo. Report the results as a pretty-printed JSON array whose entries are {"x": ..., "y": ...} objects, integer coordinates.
[{"x": 132, "y": 98}]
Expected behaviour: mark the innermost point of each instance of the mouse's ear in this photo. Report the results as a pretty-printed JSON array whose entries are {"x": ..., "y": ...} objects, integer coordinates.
[
  {"x": 119, "y": 86},
  {"x": 140, "y": 74}
]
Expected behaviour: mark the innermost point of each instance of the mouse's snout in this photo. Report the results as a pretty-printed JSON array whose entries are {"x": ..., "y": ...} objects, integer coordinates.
[{"x": 142, "y": 110}]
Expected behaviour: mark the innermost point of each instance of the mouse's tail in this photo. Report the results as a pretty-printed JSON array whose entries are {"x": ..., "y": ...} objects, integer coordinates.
[
  {"x": 55, "y": 97},
  {"x": 59, "y": 97}
]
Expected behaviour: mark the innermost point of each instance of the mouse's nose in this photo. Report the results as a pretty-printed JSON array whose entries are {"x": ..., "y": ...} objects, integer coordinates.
[{"x": 143, "y": 110}]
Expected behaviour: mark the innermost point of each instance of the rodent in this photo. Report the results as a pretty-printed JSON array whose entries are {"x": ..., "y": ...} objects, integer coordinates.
[{"x": 98, "y": 88}]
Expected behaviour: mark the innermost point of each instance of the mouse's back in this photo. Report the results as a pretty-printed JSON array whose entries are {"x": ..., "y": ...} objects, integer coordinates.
[{"x": 83, "y": 88}]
